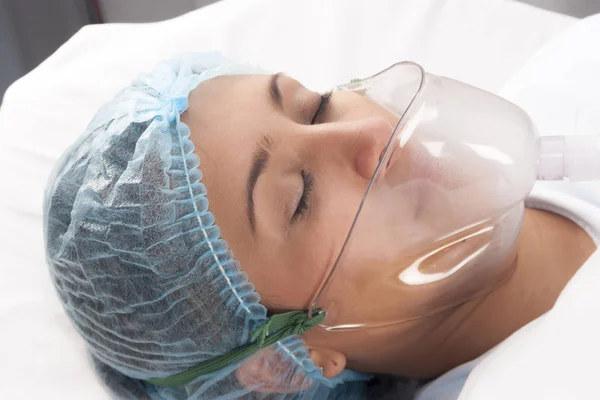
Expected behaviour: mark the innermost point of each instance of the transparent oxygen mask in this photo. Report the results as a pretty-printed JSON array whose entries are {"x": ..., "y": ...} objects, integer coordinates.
[{"x": 438, "y": 223}]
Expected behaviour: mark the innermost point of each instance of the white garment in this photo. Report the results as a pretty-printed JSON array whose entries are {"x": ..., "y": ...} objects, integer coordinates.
[{"x": 556, "y": 356}]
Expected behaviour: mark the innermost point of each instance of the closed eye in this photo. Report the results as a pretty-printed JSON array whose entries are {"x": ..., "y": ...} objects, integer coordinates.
[
  {"x": 305, "y": 199},
  {"x": 322, "y": 109}
]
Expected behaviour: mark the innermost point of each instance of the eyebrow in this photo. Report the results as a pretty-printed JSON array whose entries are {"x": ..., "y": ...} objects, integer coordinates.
[
  {"x": 274, "y": 90},
  {"x": 259, "y": 163}
]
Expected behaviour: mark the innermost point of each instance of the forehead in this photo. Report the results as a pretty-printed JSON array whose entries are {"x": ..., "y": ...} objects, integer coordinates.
[
  {"x": 227, "y": 117},
  {"x": 222, "y": 96},
  {"x": 222, "y": 87},
  {"x": 236, "y": 108},
  {"x": 226, "y": 112}
]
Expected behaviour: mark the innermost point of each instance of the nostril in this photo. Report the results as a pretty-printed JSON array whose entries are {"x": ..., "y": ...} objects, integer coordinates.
[
  {"x": 369, "y": 145},
  {"x": 381, "y": 157}
]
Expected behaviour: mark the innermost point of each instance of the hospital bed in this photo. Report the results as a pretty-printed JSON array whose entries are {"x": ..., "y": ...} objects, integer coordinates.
[{"x": 320, "y": 42}]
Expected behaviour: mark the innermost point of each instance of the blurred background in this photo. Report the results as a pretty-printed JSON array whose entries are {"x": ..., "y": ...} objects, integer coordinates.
[{"x": 31, "y": 30}]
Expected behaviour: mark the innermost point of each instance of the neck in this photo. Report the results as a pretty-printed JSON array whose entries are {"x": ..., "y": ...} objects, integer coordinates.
[{"x": 550, "y": 250}]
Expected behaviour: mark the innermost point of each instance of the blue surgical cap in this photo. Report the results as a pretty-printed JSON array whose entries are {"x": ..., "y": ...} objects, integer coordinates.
[{"x": 138, "y": 261}]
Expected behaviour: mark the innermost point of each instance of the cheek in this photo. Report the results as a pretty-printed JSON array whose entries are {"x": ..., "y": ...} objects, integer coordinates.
[
  {"x": 292, "y": 277},
  {"x": 310, "y": 260},
  {"x": 336, "y": 210},
  {"x": 287, "y": 279}
]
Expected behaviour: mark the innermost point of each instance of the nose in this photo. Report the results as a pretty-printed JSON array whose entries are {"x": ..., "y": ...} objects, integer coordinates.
[
  {"x": 374, "y": 134},
  {"x": 359, "y": 143}
]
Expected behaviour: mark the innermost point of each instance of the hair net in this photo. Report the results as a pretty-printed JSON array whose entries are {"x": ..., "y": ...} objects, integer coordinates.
[{"x": 138, "y": 262}]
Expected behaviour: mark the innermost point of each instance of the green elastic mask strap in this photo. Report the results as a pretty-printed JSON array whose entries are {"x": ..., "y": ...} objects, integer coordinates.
[{"x": 278, "y": 327}]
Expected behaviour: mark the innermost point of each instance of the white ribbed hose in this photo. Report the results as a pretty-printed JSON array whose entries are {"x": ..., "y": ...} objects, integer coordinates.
[{"x": 570, "y": 158}]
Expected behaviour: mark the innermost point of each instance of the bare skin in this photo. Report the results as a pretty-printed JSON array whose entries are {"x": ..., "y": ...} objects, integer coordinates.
[{"x": 286, "y": 252}]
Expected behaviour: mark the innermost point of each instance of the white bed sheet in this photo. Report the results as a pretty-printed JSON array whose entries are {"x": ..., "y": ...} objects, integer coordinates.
[{"x": 321, "y": 42}]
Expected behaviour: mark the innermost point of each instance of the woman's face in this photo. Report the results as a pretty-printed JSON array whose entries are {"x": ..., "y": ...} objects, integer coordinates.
[{"x": 285, "y": 169}]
